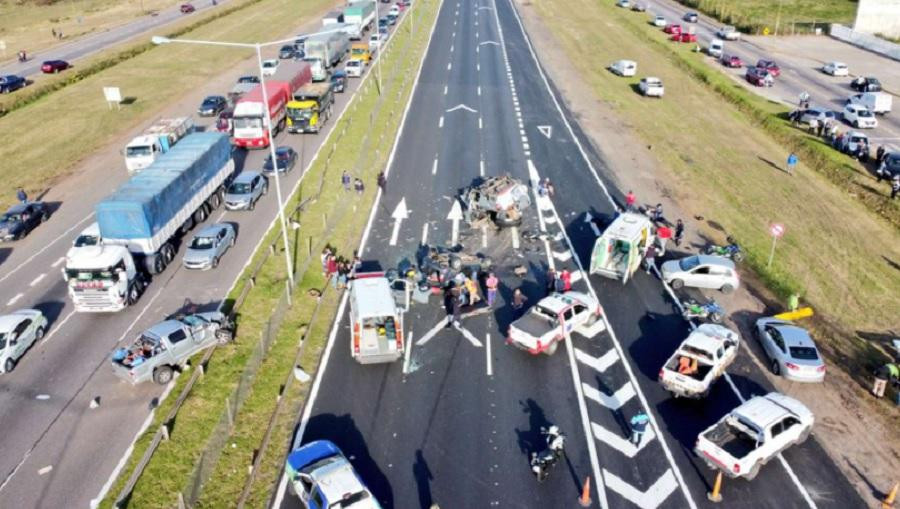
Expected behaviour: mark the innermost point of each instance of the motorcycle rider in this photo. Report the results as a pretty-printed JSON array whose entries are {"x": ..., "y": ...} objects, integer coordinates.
[{"x": 541, "y": 462}]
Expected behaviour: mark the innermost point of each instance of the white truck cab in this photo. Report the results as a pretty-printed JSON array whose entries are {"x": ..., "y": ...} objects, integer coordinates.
[
  {"x": 716, "y": 48},
  {"x": 142, "y": 150},
  {"x": 699, "y": 361},
  {"x": 102, "y": 278},
  {"x": 619, "y": 250},
  {"x": 376, "y": 317}
]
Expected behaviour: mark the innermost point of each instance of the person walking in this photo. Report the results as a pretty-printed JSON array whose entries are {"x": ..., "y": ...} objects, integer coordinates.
[
  {"x": 650, "y": 258},
  {"x": 492, "y": 283},
  {"x": 382, "y": 182},
  {"x": 21, "y": 196},
  {"x": 53, "y": 31},
  {"x": 638, "y": 427},
  {"x": 345, "y": 180},
  {"x": 630, "y": 200},
  {"x": 679, "y": 232},
  {"x": 458, "y": 299},
  {"x": 358, "y": 185},
  {"x": 550, "y": 284},
  {"x": 890, "y": 372},
  {"x": 518, "y": 302},
  {"x": 791, "y": 163}
]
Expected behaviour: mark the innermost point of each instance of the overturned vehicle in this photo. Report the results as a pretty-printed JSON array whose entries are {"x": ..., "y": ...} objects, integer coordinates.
[{"x": 501, "y": 200}]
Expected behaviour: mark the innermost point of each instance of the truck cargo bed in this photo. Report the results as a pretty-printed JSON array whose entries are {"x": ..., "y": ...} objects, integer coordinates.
[
  {"x": 533, "y": 324},
  {"x": 735, "y": 443}
]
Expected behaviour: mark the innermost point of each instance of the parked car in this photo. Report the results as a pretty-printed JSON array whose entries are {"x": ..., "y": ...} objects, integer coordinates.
[
  {"x": 791, "y": 352},
  {"x": 187, "y": 8},
  {"x": 54, "y": 66},
  {"x": 672, "y": 28},
  {"x": 879, "y": 103},
  {"x": 759, "y": 77},
  {"x": 339, "y": 81},
  {"x": 770, "y": 66},
  {"x": 818, "y": 114},
  {"x": 732, "y": 61},
  {"x": 250, "y": 78},
  {"x": 392, "y": 20},
  {"x": 354, "y": 68},
  {"x": 375, "y": 42},
  {"x": 660, "y": 21},
  {"x": 269, "y": 67},
  {"x": 859, "y": 117},
  {"x": 287, "y": 158},
  {"x": 651, "y": 87},
  {"x": 208, "y": 246},
  {"x": 212, "y": 105},
  {"x": 623, "y": 3},
  {"x": 639, "y": 7},
  {"x": 716, "y": 48},
  {"x": 287, "y": 51},
  {"x": 866, "y": 84},
  {"x": 701, "y": 271},
  {"x": 852, "y": 142},
  {"x": 685, "y": 37},
  {"x": 384, "y": 33},
  {"x": 11, "y": 83},
  {"x": 728, "y": 33},
  {"x": 21, "y": 218},
  {"x": 624, "y": 67},
  {"x": 18, "y": 331},
  {"x": 245, "y": 190},
  {"x": 690, "y": 17},
  {"x": 836, "y": 69},
  {"x": 890, "y": 166},
  {"x": 394, "y": 10}
]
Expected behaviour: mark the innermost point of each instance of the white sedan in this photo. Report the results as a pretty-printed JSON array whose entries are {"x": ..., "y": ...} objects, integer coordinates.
[
  {"x": 269, "y": 67},
  {"x": 836, "y": 69},
  {"x": 18, "y": 331},
  {"x": 859, "y": 116},
  {"x": 701, "y": 271},
  {"x": 660, "y": 21}
]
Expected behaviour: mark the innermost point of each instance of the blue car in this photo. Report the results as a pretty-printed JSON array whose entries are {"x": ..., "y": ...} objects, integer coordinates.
[
  {"x": 11, "y": 83},
  {"x": 323, "y": 478}
]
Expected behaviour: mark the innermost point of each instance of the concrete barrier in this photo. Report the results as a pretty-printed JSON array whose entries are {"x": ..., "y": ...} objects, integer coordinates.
[{"x": 865, "y": 41}]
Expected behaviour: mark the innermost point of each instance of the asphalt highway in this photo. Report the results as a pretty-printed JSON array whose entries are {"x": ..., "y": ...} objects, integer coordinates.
[
  {"x": 455, "y": 423},
  {"x": 59, "y": 452},
  {"x": 90, "y": 44}
]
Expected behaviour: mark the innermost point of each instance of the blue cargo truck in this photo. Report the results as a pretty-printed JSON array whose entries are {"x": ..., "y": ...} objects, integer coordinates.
[{"x": 141, "y": 221}]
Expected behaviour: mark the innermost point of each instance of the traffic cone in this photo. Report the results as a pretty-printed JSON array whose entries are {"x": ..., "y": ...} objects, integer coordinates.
[
  {"x": 716, "y": 494},
  {"x": 585, "y": 499},
  {"x": 889, "y": 499}
]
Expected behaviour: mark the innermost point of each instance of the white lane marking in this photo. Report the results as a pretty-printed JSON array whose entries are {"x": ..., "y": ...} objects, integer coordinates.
[
  {"x": 225, "y": 211},
  {"x": 650, "y": 499},
  {"x": 480, "y": 125},
  {"x": 483, "y": 237},
  {"x": 434, "y": 167},
  {"x": 490, "y": 368},
  {"x": 14, "y": 299},
  {"x": 42, "y": 397},
  {"x": 430, "y": 334},
  {"x": 57, "y": 327},
  {"x": 445, "y": 89},
  {"x": 599, "y": 364},
  {"x": 409, "y": 347},
  {"x": 477, "y": 67},
  {"x": 612, "y": 401},
  {"x": 41, "y": 250},
  {"x": 562, "y": 256},
  {"x": 45, "y": 470},
  {"x": 425, "y": 233},
  {"x": 576, "y": 275},
  {"x": 515, "y": 237},
  {"x": 524, "y": 139},
  {"x": 479, "y": 89},
  {"x": 526, "y": 146},
  {"x": 58, "y": 261},
  {"x": 481, "y": 167},
  {"x": 37, "y": 279},
  {"x": 468, "y": 335},
  {"x": 454, "y": 36},
  {"x": 623, "y": 445},
  {"x": 495, "y": 43},
  {"x": 522, "y": 132},
  {"x": 449, "y": 65},
  {"x": 441, "y": 121},
  {"x": 451, "y": 48}
]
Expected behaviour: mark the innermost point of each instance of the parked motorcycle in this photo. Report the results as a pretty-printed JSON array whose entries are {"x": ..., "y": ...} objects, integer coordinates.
[
  {"x": 731, "y": 250},
  {"x": 542, "y": 462},
  {"x": 711, "y": 311}
]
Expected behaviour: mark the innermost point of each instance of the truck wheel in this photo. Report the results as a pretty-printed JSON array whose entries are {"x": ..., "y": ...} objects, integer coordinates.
[
  {"x": 726, "y": 289},
  {"x": 9, "y": 366},
  {"x": 168, "y": 253},
  {"x": 162, "y": 375},
  {"x": 224, "y": 336},
  {"x": 220, "y": 197},
  {"x": 551, "y": 348},
  {"x": 455, "y": 263},
  {"x": 159, "y": 265},
  {"x": 133, "y": 294},
  {"x": 677, "y": 284}
]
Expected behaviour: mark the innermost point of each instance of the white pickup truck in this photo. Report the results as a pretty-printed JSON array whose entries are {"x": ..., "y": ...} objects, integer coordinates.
[
  {"x": 754, "y": 433},
  {"x": 651, "y": 87},
  {"x": 699, "y": 361},
  {"x": 542, "y": 328}
]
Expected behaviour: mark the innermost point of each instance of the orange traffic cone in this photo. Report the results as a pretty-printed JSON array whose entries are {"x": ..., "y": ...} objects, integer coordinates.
[
  {"x": 889, "y": 499},
  {"x": 585, "y": 499}
]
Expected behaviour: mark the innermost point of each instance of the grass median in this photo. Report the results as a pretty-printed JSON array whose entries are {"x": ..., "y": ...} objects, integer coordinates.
[
  {"x": 52, "y": 135},
  {"x": 329, "y": 215},
  {"x": 725, "y": 165},
  {"x": 754, "y": 16}
]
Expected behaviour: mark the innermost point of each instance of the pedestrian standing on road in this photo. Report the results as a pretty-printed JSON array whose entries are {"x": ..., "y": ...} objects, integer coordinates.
[
  {"x": 630, "y": 200},
  {"x": 345, "y": 180},
  {"x": 550, "y": 285},
  {"x": 791, "y": 163},
  {"x": 20, "y": 194},
  {"x": 518, "y": 302},
  {"x": 449, "y": 297},
  {"x": 638, "y": 427},
  {"x": 331, "y": 267},
  {"x": 382, "y": 182},
  {"x": 358, "y": 185},
  {"x": 458, "y": 300},
  {"x": 888, "y": 373},
  {"x": 492, "y": 283},
  {"x": 679, "y": 232},
  {"x": 650, "y": 258},
  {"x": 566, "y": 277},
  {"x": 895, "y": 186},
  {"x": 657, "y": 213},
  {"x": 879, "y": 154}
]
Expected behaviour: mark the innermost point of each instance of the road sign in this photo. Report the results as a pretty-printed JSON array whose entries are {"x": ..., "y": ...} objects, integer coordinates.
[
  {"x": 776, "y": 230},
  {"x": 766, "y": 31}
]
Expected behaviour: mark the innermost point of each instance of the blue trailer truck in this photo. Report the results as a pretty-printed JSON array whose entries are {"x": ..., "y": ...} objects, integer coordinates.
[{"x": 140, "y": 222}]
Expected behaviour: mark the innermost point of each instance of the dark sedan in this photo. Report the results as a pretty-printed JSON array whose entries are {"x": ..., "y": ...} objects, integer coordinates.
[
  {"x": 690, "y": 17},
  {"x": 11, "y": 83},
  {"x": 863, "y": 84},
  {"x": 54, "y": 66},
  {"x": 770, "y": 66},
  {"x": 248, "y": 79},
  {"x": 21, "y": 218},
  {"x": 287, "y": 51},
  {"x": 339, "y": 81},
  {"x": 287, "y": 158},
  {"x": 212, "y": 106}
]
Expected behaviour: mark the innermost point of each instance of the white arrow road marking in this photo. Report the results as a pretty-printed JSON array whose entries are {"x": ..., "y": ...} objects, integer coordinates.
[
  {"x": 490, "y": 367},
  {"x": 620, "y": 444},
  {"x": 400, "y": 213},
  {"x": 650, "y": 499},
  {"x": 462, "y": 107},
  {"x": 489, "y": 42},
  {"x": 589, "y": 219},
  {"x": 468, "y": 335},
  {"x": 455, "y": 215},
  {"x": 37, "y": 280},
  {"x": 599, "y": 364},
  {"x": 58, "y": 261},
  {"x": 14, "y": 299},
  {"x": 562, "y": 255},
  {"x": 546, "y": 130},
  {"x": 481, "y": 167},
  {"x": 614, "y": 402}
]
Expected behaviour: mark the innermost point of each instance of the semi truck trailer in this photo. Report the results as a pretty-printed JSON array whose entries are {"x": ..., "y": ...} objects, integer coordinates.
[
  {"x": 362, "y": 13},
  {"x": 250, "y": 111},
  {"x": 330, "y": 47}
]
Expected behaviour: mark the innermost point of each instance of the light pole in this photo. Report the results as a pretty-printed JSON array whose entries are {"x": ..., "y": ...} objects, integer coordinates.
[{"x": 380, "y": 46}]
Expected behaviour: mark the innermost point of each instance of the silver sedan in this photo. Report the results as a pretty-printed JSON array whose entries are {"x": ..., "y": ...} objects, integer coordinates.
[
  {"x": 791, "y": 352},
  {"x": 208, "y": 245}
]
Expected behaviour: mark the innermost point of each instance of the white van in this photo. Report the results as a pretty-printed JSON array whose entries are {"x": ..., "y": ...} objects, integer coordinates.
[
  {"x": 624, "y": 67},
  {"x": 877, "y": 102},
  {"x": 716, "y": 48}
]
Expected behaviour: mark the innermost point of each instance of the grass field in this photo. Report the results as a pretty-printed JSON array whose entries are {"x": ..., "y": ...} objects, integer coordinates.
[
  {"x": 837, "y": 253},
  {"x": 754, "y": 15},
  {"x": 27, "y": 25}
]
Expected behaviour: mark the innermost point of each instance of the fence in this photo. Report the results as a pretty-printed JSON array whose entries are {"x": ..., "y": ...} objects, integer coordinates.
[{"x": 865, "y": 41}]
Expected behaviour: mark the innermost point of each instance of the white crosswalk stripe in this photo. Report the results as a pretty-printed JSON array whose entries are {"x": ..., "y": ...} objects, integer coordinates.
[
  {"x": 613, "y": 402},
  {"x": 599, "y": 364},
  {"x": 649, "y": 499},
  {"x": 617, "y": 442},
  {"x": 562, "y": 256}
]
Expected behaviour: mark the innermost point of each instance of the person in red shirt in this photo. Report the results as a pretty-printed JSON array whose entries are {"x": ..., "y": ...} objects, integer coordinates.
[{"x": 630, "y": 200}]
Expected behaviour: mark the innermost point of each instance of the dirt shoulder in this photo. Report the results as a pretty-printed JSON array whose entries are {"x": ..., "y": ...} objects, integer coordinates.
[{"x": 858, "y": 433}]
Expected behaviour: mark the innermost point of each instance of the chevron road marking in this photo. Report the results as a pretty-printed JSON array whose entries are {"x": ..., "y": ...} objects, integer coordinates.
[
  {"x": 620, "y": 444},
  {"x": 599, "y": 364},
  {"x": 650, "y": 499},
  {"x": 562, "y": 256},
  {"x": 613, "y": 402},
  {"x": 468, "y": 335}
]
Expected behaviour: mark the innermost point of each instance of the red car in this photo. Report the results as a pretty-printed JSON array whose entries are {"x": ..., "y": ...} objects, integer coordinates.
[
  {"x": 759, "y": 77},
  {"x": 672, "y": 28},
  {"x": 770, "y": 66},
  {"x": 684, "y": 37},
  {"x": 54, "y": 66},
  {"x": 733, "y": 61},
  {"x": 401, "y": 6},
  {"x": 187, "y": 8}
]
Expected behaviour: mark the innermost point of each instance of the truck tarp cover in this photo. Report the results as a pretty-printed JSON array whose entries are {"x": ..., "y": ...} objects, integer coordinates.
[{"x": 144, "y": 204}]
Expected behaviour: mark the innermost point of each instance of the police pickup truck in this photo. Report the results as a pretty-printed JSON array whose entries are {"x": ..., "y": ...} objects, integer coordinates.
[
  {"x": 699, "y": 361},
  {"x": 322, "y": 478},
  {"x": 546, "y": 324}
]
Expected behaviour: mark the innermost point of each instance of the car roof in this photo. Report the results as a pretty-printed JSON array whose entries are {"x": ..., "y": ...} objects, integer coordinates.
[
  {"x": 245, "y": 177},
  {"x": 283, "y": 150},
  {"x": 211, "y": 230},
  {"x": 714, "y": 260},
  {"x": 559, "y": 301},
  {"x": 792, "y": 334},
  {"x": 165, "y": 328},
  {"x": 7, "y": 322},
  {"x": 765, "y": 410}
]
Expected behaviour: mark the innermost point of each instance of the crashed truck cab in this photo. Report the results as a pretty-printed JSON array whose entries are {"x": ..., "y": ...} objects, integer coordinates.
[
  {"x": 500, "y": 199},
  {"x": 377, "y": 306},
  {"x": 102, "y": 278}
]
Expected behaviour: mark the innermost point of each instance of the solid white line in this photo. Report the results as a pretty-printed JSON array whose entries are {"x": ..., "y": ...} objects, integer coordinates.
[
  {"x": 37, "y": 279},
  {"x": 515, "y": 237},
  {"x": 479, "y": 89},
  {"x": 481, "y": 167},
  {"x": 449, "y": 65},
  {"x": 477, "y": 67},
  {"x": 14, "y": 299},
  {"x": 480, "y": 125},
  {"x": 451, "y": 48},
  {"x": 58, "y": 261},
  {"x": 224, "y": 211},
  {"x": 441, "y": 121},
  {"x": 483, "y": 237},
  {"x": 425, "y": 233},
  {"x": 490, "y": 368},
  {"x": 445, "y": 89},
  {"x": 57, "y": 326},
  {"x": 41, "y": 250},
  {"x": 434, "y": 167},
  {"x": 409, "y": 347}
]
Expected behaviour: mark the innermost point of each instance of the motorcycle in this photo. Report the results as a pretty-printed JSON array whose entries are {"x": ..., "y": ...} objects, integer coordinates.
[
  {"x": 731, "y": 250},
  {"x": 542, "y": 462},
  {"x": 711, "y": 311}
]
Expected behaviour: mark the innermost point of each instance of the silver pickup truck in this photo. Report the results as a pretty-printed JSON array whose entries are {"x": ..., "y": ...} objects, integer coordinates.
[{"x": 166, "y": 346}]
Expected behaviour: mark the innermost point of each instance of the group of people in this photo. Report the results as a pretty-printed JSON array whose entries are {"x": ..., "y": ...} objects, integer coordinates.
[
  {"x": 558, "y": 282},
  {"x": 357, "y": 184},
  {"x": 138, "y": 354},
  {"x": 338, "y": 270}
]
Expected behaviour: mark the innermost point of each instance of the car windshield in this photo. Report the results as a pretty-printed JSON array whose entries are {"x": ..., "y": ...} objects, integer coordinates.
[
  {"x": 89, "y": 275},
  {"x": 248, "y": 79},
  {"x": 210, "y": 101},
  {"x": 804, "y": 353},
  {"x": 863, "y": 113},
  {"x": 247, "y": 122},
  {"x": 349, "y": 500},
  {"x": 353, "y": 63},
  {"x": 358, "y": 51},
  {"x": 137, "y": 151},
  {"x": 298, "y": 114},
  {"x": 87, "y": 240},
  {"x": 689, "y": 263},
  {"x": 239, "y": 188},
  {"x": 202, "y": 243}
]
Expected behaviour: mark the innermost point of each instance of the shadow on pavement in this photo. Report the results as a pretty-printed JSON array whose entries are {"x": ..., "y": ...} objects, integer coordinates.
[
  {"x": 51, "y": 311},
  {"x": 423, "y": 477}
]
